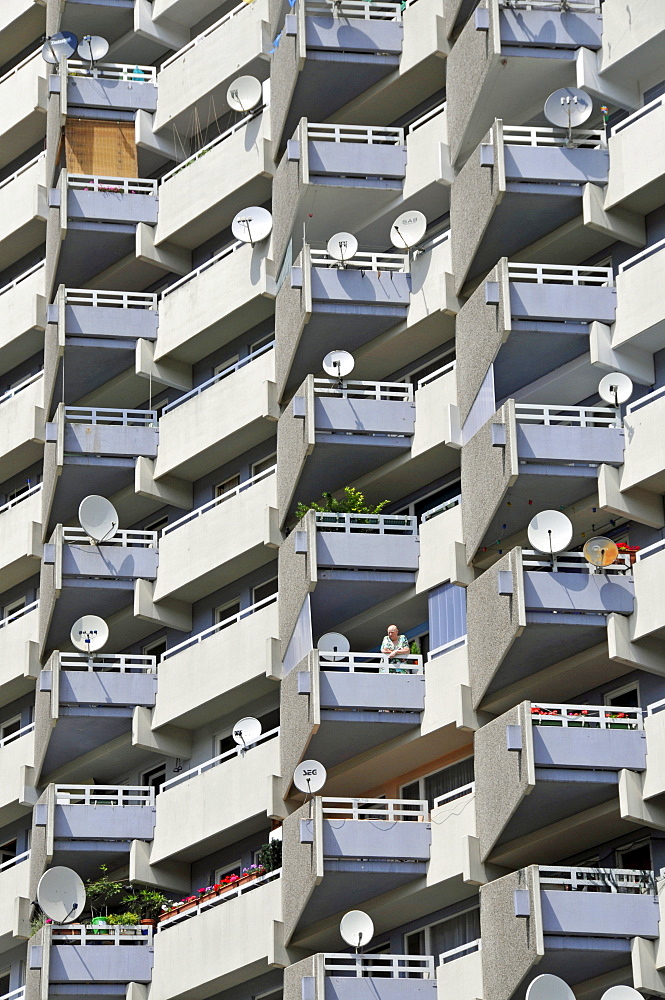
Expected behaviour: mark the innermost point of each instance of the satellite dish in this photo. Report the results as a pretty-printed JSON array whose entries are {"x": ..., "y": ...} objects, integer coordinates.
[
  {"x": 61, "y": 895},
  {"x": 63, "y": 43},
  {"x": 568, "y": 107},
  {"x": 310, "y": 776},
  {"x": 547, "y": 987},
  {"x": 89, "y": 633},
  {"x": 338, "y": 363},
  {"x": 246, "y": 732},
  {"x": 621, "y": 993},
  {"x": 333, "y": 643},
  {"x": 342, "y": 246},
  {"x": 98, "y": 518},
  {"x": 615, "y": 388},
  {"x": 408, "y": 230},
  {"x": 600, "y": 551},
  {"x": 93, "y": 48},
  {"x": 244, "y": 93},
  {"x": 252, "y": 225},
  {"x": 550, "y": 531},
  {"x": 357, "y": 928}
]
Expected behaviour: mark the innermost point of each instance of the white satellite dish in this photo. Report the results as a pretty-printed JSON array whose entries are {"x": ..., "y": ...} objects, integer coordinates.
[
  {"x": 342, "y": 246},
  {"x": 93, "y": 48},
  {"x": 98, "y": 518},
  {"x": 61, "y": 895},
  {"x": 568, "y": 107},
  {"x": 310, "y": 776},
  {"x": 550, "y": 531},
  {"x": 621, "y": 993},
  {"x": 408, "y": 230},
  {"x": 338, "y": 363},
  {"x": 252, "y": 225},
  {"x": 63, "y": 43},
  {"x": 333, "y": 646},
  {"x": 357, "y": 928},
  {"x": 246, "y": 732},
  {"x": 244, "y": 93},
  {"x": 89, "y": 633},
  {"x": 548, "y": 987},
  {"x": 615, "y": 388}
]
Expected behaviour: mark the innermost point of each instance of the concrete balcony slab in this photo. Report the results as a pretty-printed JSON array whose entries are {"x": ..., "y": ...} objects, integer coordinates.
[
  {"x": 23, "y": 94},
  {"x": 23, "y": 211},
  {"x": 23, "y": 304}
]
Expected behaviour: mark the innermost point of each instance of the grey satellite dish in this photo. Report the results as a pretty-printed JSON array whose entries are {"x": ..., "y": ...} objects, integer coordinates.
[
  {"x": 252, "y": 225},
  {"x": 89, "y": 634},
  {"x": 310, "y": 776},
  {"x": 548, "y": 987},
  {"x": 333, "y": 646},
  {"x": 615, "y": 388},
  {"x": 568, "y": 108},
  {"x": 408, "y": 230},
  {"x": 98, "y": 518},
  {"x": 550, "y": 531},
  {"x": 93, "y": 48},
  {"x": 63, "y": 43},
  {"x": 338, "y": 364},
  {"x": 244, "y": 93},
  {"x": 356, "y": 928},
  {"x": 621, "y": 993},
  {"x": 61, "y": 895},
  {"x": 246, "y": 732},
  {"x": 342, "y": 247}
]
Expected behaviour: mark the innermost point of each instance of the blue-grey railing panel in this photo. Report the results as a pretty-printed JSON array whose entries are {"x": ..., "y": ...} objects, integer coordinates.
[
  {"x": 364, "y": 416},
  {"x": 361, "y": 159},
  {"x": 104, "y": 321},
  {"x": 109, "y": 561},
  {"x": 592, "y": 592},
  {"x": 378, "y": 839},
  {"x": 108, "y": 439},
  {"x": 95, "y": 687},
  {"x": 529, "y": 300},
  {"x": 358, "y": 288},
  {"x": 543, "y": 164},
  {"x": 602, "y": 914},
  {"x": 103, "y": 822},
  {"x": 375, "y": 988},
  {"x": 129, "y": 95},
  {"x": 386, "y": 552},
  {"x": 550, "y": 28},
  {"x": 100, "y": 964},
  {"x": 112, "y": 206},
  {"x": 354, "y": 35},
  {"x": 373, "y": 691},
  {"x": 608, "y": 749},
  {"x": 570, "y": 444}
]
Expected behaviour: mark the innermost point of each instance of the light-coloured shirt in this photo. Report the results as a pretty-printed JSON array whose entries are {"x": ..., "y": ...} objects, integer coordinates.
[{"x": 387, "y": 646}]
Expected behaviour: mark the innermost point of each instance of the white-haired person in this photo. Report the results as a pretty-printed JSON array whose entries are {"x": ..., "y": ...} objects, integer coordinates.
[{"x": 397, "y": 645}]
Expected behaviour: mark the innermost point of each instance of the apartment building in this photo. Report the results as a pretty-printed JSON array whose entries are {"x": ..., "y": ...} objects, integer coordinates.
[{"x": 495, "y": 799}]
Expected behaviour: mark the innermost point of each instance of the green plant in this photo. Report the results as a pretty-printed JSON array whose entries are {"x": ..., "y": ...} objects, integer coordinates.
[
  {"x": 146, "y": 903},
  {"x": 414, "y": 647},
  {"x": 124, "y": 919},
  {"x": 104, "y": 891},
  {"x": 353, "y": 502},
  {"x": 270, "y": 855},
  {"x": 38, "y": 922}
]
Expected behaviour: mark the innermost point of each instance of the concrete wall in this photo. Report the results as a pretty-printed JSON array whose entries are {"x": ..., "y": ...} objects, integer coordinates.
[
  {"x": 480, "y": 330},
  {"x": 297, "y": 576},
  {"x": 295, "y": 441},
  {"x": 299, "y": 717},
  {"x": 467, "y": 67},
  {"x": 511, "y": 945},
  {"x": 293, "y": 308},
  {"x": 301, "y": 869}
]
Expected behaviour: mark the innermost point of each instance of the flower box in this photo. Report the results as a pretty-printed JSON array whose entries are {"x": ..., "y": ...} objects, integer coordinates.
[{"x": 212, "y": 891}]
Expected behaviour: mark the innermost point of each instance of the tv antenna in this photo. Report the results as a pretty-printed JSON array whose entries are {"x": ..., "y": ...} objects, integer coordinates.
[
  {"x": 338, "y": 364},
  {"x": 63, "y": 43},
  {"x": 89, "y": 634},
  {"x": 357, "y": 929},
  {"x": 98, "y": 518},
  {"x": 246, "y": 732},
  {"x": 550, "y": 532},
  {"x": 600, "y": 552},
  {"x": 615, "y": 388},
  {"x": 93, "y": 48},
  {"x": 342, "y": 247},
  {"x": 333, "y": 646},
  {"x": 61, "y": 895},
  {"x": 252, "y": 225},
  {"x": 244, "y": 93},
  {"x": 567, "y": 108},
  {"x": 408, "y": 230},
  {"x": 309, "y": 777}
]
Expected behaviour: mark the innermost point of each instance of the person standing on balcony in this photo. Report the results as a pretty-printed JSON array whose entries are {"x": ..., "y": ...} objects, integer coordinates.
[{"x": 397, "y": 645}]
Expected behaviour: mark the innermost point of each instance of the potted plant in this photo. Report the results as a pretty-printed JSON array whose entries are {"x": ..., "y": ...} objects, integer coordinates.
[
  {"x": 125, "y": 921},
  {"x": 270, "y": 856},
  {"x": 104, "y": 891},
  {"x": 147, "y": 904}
]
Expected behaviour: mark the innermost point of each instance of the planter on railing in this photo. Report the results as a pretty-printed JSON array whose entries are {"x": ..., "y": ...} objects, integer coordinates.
[
  {"x": 587, "y": 716},
  {"x": 221, "y": 892}
]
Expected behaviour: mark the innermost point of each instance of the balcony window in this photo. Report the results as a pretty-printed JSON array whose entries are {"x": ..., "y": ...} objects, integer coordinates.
[
  {"x": 5, "y": 978},
  {"x": 269, "y": 721},
  {"x": 627, "y": 696},
  {"x": 228, "y": 610},
  {"x": 155, "y": 777},
  {"x": 228, "y": 486},
  {"x": 8, "y": 852},
  {"x": 449, "y": 938},
  {"x": 636, "y": 855},
  {"x": 156, "y": 648},
  {"x": 264, "y": 590},
  {"x": 450, "y": 782},
  {"x": 232, "y": 869},
  {"x": 264, "y": 465},
  {"x": 9, "y": 728}
]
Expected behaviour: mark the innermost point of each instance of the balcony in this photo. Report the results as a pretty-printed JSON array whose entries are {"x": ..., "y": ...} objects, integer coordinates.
[
  {"x": 361, "y": 300},
  {"x": 577, "y": 923},
  {"x": 226, "y": 799},
  {"x": 644, "y": 457},
  {"x": 243, "y": 522},
  {"x": 433, "y": 303},
  {"x": 23, "y": 211},
  {"x": 547, "y": 779},
  {"x": 109, "y": 961},
  {"x": 455, "y": 862},
  {"x": 20, "y": 537},
  {"x": 343, "y": 976},
  {"x": 83, "y": 703},
  {"x": 228, "y": 414},
  {"x": 19, "y": 663},
  {"x": 640, "y": 315},
  {"x": 442, "y": 550},
  {"x": 14, "y": 901},
  {"x": 92, "y": 450},
  {"x": 87, "y": 823},
  {"x": 325, "y": 59},
  {"x": 339, "y": 431},
  {"x": 111, "y": 86},
  {"x": 199, "y": 197},
  {"x": 509, "y": 58},
  {"x": 631, "y": 44},
  {"x": 648, "y": 619},
  {"x": 541, "y": 611},
  {"x": 550, "y": 452},
  {"x": 23, "y": 305},
  {"x": 526, "y": 173},
  {"x": 246, "y": 919},
  {"x": 210, "y": 306},
  {"x": 17, "y": 755},
  {"x": 111, "y": 199},
  {"x": 23, "y": 98},
  {"x": 340, "y": 853},
  {"x": 22, "y": 425}
]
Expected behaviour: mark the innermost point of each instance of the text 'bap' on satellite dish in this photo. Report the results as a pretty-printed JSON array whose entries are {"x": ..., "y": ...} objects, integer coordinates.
[
  {"x": 98, "y": 518},
  {"x": 63, "y": 43},
  {"x": 548, "y": 987},
  {"x": 408, "y": 230},
  {"x": 338, "y": 364},
  {"x": 356, "y": 928},
  {"x": 61, "y": 894},
  {"x": 550, "y": 531},
  {"x": 600, "y": 551},
  {"x": 333, "y": 646},
  {"x": 246, "y": 731},
  {"x": 93, "y": 48},
  {"x": 310, "y": 776},
  {"x": 342, "y": 247},
  {"x": 251, "y": 225},
  {"x": 568, "y": 107},
  {"x": 244, "y": 93},
  {"x": 615, "y": 388},
  {"x": 89, "y": 633}
]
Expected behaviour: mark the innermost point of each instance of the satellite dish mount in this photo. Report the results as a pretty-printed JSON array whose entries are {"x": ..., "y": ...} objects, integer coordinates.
[{"x": 568, "y": 108}]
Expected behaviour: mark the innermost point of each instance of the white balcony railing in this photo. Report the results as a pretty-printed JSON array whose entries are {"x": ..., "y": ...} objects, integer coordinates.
[
  {"x": 439, "y": 509},
  {"x": 402, "y": 391},
  {"x": 383, "y": 10},
  {"x": 383, "y": 966},
  {"x": 127, "y": 537},
  {"x": 371, "y": 135},
  {"x": 390, "y": 810},
  {"x": 375, "y": 524},
  {"x": 12, "y": 72},
  {"x": 17, "y": 281},
  {"x": 447, "y": 647},
  {"x": 204, "y": 34},
  {"x": 578, "y": 6},
  {"x": 455, "y": 793},
  {"x": 110, "y": 300},
  {"x": 636, "y": 115},
  {"x": 12, "y": 864},
  {"x": 645, "y": 400},
  {"x": 21, "y": 497},
  {"x": 214, "y": 629},
  {"x": 568, "y": 416},
  {"x": 112, "y": 185},
  {"x": 26, "y": 609},
  {"x": 221, "y": 758},
  {"x": 211, "y": 145},
  {"x": 642, "y": 255},
  {"x": 220, "y": 255},
  {"x": 21, "y": 170},
  {"x": 231, "y": 370},
  {"x": 655, "y": 707},
  {"x": 15, "y": 389},
  {"x": 586, "y": 716},
  {"x": 247, "y": 485},
  {"x": 18, "y": 994},
  {"x": 450, "y": 366},
  {"x": 598, "y": 879},
  {"x": 651, "y": 550},
  {"x": 12, "y": 737},
  {"x": 113, "y": 71},
  {"x": 560, "y": 274},
  {"x": 363, "y": 260},
  {"x": 462, "y": 949},
  {"x": 533, "y": 560},
  {"x": 224, "y": 897},
  {"x": 537, "y": 135},
  {"x": 118, "y": 663},
  {"x": 106, "y": 934},
  {"x": 104, "y": 795},
  {"x": 103, "y": 415},
  {"x": 427, "y": 117},
  {"x": 369, "y": 663}
]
